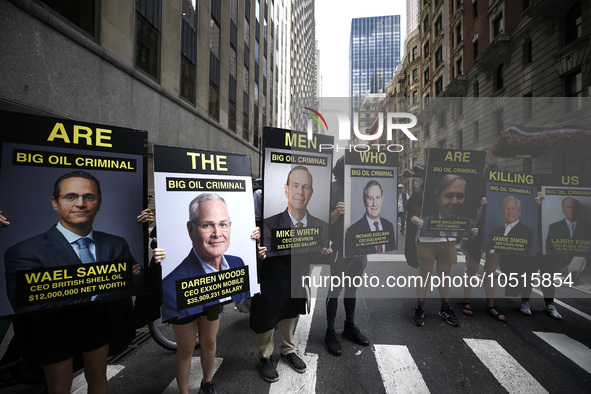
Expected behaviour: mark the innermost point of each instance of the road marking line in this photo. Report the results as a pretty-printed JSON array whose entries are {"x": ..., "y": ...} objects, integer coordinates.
[
  {"x": 510, "y": 374},
  {"x": 570, "y": 308},
  {"x": 574, "y": 350},
  {"x": 398, "y": 369},
  {"x": 79, "y": 385},
  {"x": 195, "y": 376},
  {"x": 289, "y": 380}
]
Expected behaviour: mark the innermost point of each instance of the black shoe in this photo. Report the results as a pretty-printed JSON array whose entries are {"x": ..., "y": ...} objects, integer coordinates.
[
  {"x": 332, "y": 343},
  {"x": 207, "y": 388},
  {"x": 419, "y": 317},
  {"x": 268, "y": 371},
  {"x": 449, "y": 316},
  {"x": 296, "y": 363},
  {"x": 352, "y": 333}
]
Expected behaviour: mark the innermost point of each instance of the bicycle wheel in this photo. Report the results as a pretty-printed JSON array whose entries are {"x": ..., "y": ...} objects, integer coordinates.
[{"x": 163, "y": 334}]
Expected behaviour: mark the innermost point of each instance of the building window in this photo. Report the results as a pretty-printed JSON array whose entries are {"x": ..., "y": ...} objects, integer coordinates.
[
  {"x": 188, "y": 52},
  {"x": 438, "y": 25},
  {"x": 459, "y": 67},
  {"x": 476, "y": 89},
  {"x": 499, "y": 120},
  {"x": 147, "y": 48},
  {"x": 426, "y": 50},
  {"x": 245, "y": 127},
  {"x": 415, "y": 97},
  {"x": 475, "y": 49},
  {"x": 438, "y": 57},
  {"x": 497, "y": 25},
  {"x": 474, "y": 9},
  {"x": 459, "y": 36},
  {"x": 415, "y": 75},
  {"x": 573, "y": 84},
  {"x": 214, "y": 37},
  {"x": 500, "y": 77},
  {"x": 246, "y": 32},
  {"x": 573, "y": 23},
  {"x": 257, "y": 9},
  {"x": 232, "y": 117},
  {"x": 527, "y": 105},
  {"x": 426, "y": 75},
  {"x": 427, "y": 129},
  {"x": 214, "y": 102},
  {"x": 441, "y": 119},
  {"x": 458, "y": 4},
  {"x": 415, "y": 52},
  {"x": 527, "y": 51},
  {"x": 187, "y": 79},
  {"x": 81, "y": 13},
  {"x": 426, "y": 26},
  {"x": 438, "y": 86}
]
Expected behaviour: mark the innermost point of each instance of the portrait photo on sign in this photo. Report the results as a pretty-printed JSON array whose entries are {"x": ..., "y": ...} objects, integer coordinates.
[
  {"x": 511, "y": 222},
  {"x": 48, "y": 204},
  {"x": 296, "y": 196},
  {"x": 371, "y": 210},
  {"x": 210, "y": 256},
  {"x": 566, "y": 220}
]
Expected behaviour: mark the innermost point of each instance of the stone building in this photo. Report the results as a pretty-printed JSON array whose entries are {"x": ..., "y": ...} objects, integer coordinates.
[{"x": 202, "y": 74}]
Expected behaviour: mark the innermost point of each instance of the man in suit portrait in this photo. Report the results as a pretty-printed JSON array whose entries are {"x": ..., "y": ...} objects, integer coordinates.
[
  {"x": 571, "y": 227},
  {"x": 298, "y": 190},
  {"x": 513, "y": 227},
  {"x": 450, "y": 196},
  {"x": 60, "y": 335},
  {"x": 373, "y": 199},
  {"x": 209, "y": 228}
]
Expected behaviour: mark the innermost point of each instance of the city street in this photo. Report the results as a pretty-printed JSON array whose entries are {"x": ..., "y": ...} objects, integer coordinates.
[{"x": 529, "y": 354}]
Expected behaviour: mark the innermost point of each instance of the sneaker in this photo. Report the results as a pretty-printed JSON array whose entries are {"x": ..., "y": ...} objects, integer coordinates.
[
  {"x": 449, "y": 316},
  {"x": 551, "y": 310},
  {"x": 332, "y": 343},
  {"x": 207, "y": 388},
  {"x": 296, "y": 363},
  {"x": 525, "y": 308},
  {"x": 268, "y": 371},
  {"x": 352, "y": 333},
  {"x": 419, "y": 317}
]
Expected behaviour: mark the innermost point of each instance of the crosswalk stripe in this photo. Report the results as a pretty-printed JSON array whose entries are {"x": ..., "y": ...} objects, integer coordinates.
[
  {"x": 79, "y": 385},
  {"x": 510, "y": 374},
  {"x": 195, "y": 376},
  {"x": 289, "y": 380},
  {"x": 400, "y": 373},
  {"x": 574, "y": 350}
]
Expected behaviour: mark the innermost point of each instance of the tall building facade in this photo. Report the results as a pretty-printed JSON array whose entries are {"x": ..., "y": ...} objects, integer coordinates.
[
  {"x": 203, "y": 74},
  {"x": 506, "y": 77},
  {"x": 413, "y": 11},
  {"x": 374, "y": 51}
]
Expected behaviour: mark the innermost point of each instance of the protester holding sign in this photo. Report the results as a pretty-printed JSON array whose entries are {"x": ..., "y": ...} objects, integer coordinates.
[
  {"x": 444, "y": 220},
  {"x": 351, "y": 267}
]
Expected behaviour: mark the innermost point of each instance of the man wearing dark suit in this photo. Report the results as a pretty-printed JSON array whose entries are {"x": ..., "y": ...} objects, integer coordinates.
[
  {"x": 191, "y": 266},
  {"x": 298, "y": 190},
  {"x": 571, "y": 227},
  {"x": 373, "y": 198},
  {"x": 275, "y": 305},
  {"x": 513, "y": 228},
  {"x": 60, "y": 335}
]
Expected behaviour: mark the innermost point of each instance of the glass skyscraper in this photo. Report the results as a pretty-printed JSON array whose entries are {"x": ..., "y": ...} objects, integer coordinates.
[{"x": 374, "y": 51}]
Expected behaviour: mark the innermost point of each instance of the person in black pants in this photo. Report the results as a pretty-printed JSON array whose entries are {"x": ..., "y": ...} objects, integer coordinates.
[{"x": 340, "y": 265}]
